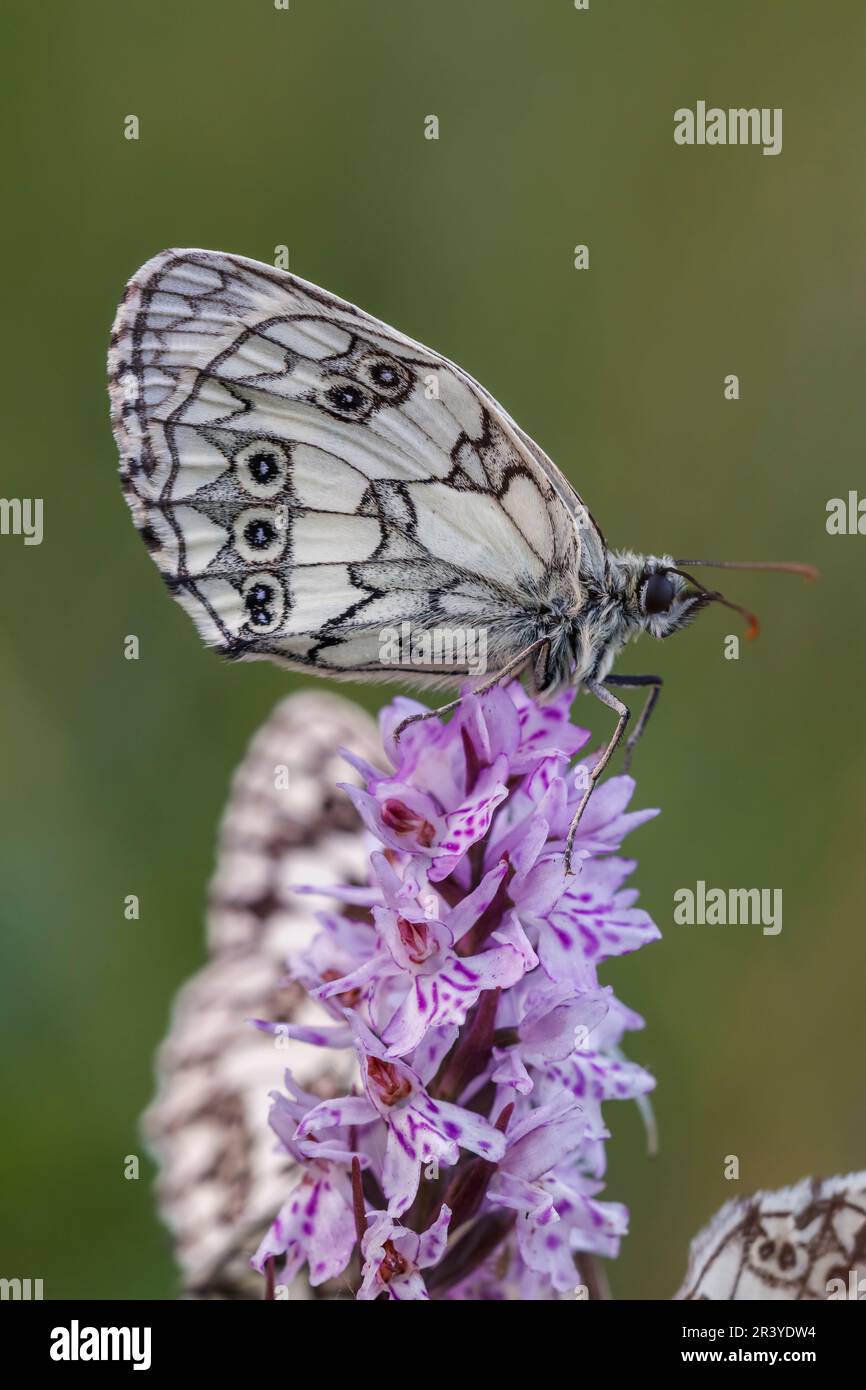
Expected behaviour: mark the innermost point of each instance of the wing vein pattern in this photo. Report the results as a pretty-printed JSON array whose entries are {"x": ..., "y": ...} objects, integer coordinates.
[{"x": 306, "y": 477}]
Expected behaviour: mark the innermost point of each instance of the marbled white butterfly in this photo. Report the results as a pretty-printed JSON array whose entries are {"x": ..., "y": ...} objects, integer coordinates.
[
  {"x": 222, "y": 1175},
  {"x": 306, "y": 477}
]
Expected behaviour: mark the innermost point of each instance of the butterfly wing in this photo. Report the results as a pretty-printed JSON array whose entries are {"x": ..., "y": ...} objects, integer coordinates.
[
  {"x": 797, "y": 1243},
  {"x": 306, "y": 477},
  {"x": 222, "y": 1177}
]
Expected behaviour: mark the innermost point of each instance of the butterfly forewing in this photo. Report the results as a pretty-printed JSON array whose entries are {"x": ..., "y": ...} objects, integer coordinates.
[{"x": 305, "y": 476}]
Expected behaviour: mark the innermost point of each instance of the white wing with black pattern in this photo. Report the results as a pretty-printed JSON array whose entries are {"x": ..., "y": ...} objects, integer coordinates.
[{"x": 305, "y": 476}]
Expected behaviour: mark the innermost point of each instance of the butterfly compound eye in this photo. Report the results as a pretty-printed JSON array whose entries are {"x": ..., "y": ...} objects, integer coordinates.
[{"x": 658, "y": 594}]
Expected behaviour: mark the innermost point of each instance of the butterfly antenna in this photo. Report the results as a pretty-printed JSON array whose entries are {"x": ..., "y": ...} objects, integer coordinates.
[
  {"x": 785, "y": 566},
  {"x": 753, "y": 626},
  {"x": 809, "y": 572}
]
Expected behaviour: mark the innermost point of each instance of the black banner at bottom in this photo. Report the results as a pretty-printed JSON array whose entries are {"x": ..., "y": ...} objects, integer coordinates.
[{"x": 242, "y": 1339}]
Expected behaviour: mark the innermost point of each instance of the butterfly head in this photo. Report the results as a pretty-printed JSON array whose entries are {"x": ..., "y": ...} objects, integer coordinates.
[{"x": 655, "y": 596}]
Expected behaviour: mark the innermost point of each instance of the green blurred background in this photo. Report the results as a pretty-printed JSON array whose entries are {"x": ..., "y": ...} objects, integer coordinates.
[{"x": 261, "y": 127}]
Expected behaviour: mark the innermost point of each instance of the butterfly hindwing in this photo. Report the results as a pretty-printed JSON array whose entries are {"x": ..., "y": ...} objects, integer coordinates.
[
  {"x": 222, "y": 1176},
  {"x": 306, "y": 477},
  {"x": 805, "y": 1242}
]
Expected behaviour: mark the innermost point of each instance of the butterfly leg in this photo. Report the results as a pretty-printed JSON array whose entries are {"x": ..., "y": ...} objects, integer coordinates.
[
  {"x": 517, "y": 664},
  {"x": 623, "y": 714},
  {"x": 540, "y": 667},
  {"x": 633, "y": 683}
]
